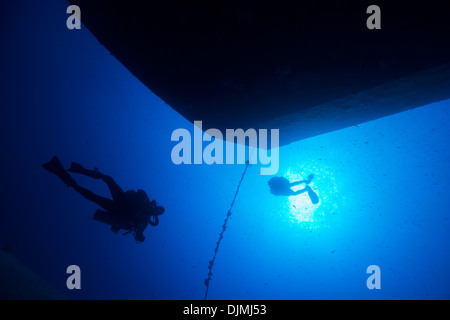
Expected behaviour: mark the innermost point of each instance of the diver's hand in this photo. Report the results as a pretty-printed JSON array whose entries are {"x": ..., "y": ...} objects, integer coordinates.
[{"x": 154, "y": 221}]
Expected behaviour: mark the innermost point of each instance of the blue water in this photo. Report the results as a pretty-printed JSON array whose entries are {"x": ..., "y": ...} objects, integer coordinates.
[{"x": 382, "y": 188}]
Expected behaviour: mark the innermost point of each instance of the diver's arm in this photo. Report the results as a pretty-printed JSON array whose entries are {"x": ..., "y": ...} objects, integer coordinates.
[{"x": 153, "y": 222}]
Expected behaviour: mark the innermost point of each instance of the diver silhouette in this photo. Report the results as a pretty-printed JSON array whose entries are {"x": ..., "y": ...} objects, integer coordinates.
[
  {"x": 130, "y": 210},
  {"x": 280, "y": 186}
]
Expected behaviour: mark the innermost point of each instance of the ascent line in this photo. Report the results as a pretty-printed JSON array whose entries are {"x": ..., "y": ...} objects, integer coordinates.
[{"x": 224, "y": 227}]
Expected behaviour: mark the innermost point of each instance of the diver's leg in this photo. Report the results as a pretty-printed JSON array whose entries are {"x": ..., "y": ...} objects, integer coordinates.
[
  {"x": 116, "y": 191},
  {"x": 308, "y": 181},
  {"x": 78, "y": 168},
  {"x": 105, "y": 203},
  {"x": 297, "y": 183},
  {"x": 295, "y": 193}
]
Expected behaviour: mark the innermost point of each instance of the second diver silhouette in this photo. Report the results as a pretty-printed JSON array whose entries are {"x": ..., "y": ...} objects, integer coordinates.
[
  {"x": 130, "y": 210},
  {"x": 280, "y": 186}
]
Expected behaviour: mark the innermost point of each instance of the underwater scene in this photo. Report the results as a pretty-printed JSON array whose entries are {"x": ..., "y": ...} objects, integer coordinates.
[{"x": 368, "y": 195}]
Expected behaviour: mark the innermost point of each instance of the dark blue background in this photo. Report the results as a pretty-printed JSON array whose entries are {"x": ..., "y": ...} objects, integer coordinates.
[{"x": 382, "y": 186}]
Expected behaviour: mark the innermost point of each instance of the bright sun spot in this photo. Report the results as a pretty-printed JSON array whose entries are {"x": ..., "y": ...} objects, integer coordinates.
[
  {"x": 301, "y": 207},
  {"x": 301, "y": 211}
]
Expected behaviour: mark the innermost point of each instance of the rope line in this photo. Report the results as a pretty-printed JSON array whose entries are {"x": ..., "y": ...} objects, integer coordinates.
[{"x": 224, "y": 228}]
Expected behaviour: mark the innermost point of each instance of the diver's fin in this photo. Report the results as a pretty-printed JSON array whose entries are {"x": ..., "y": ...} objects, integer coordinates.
[
  {"x": 312, "y": 195},
  {"x": 55, "y": 167},
  {"x": 78, "y": 168},
  {"x": 310, "y": 177}
]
